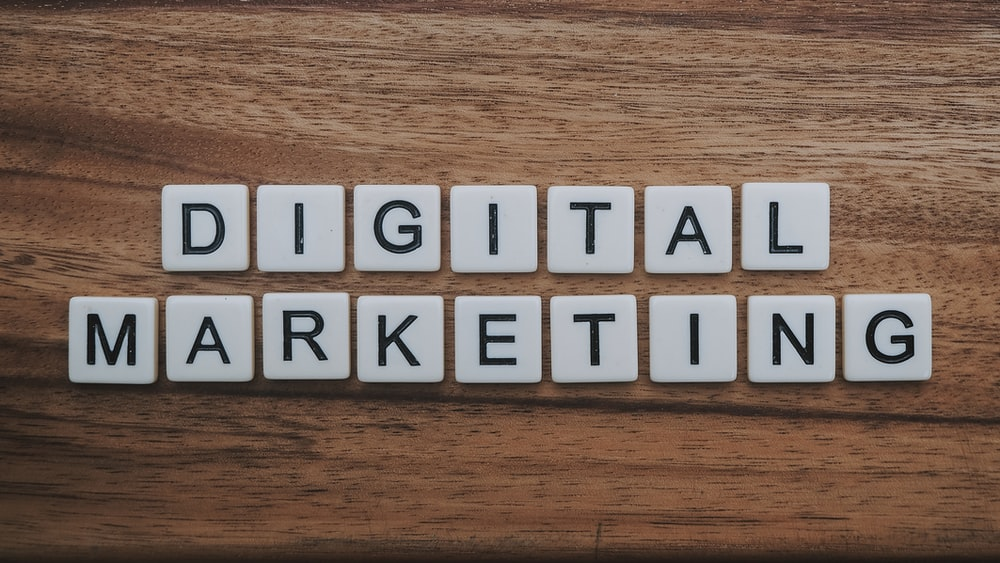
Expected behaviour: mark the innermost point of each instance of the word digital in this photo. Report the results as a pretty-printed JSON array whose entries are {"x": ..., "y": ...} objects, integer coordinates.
[{"x": 498, "y": 339}]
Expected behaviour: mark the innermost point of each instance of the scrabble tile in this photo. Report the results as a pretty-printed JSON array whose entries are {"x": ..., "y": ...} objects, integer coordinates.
[
  {"x": 397, "y": 228},
  {"x": 887, "y": 337},
  {"x": 300, "y": 228},
  {"x": 400, "y": 339},
  {"x": 689, "y": 229},
  {"x": 591, "y": 229},
  {"x": 791, "y": 338},
  {"x": 494, "y": 228},
  {"x": 113, "y": 339},
  {"x": 692, "y": 338},
  {"x": 594, "y": 338},
  {"x": 786, "y": 226},
  {"x": 306, "y": 335},
  {"x": 498, "y": 339},
  {"x": 210, "y": 338},
  {"x": 205, "y": 228}
]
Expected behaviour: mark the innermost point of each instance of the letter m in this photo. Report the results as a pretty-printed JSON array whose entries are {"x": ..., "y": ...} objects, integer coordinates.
[{"x": 126, "y": 337}]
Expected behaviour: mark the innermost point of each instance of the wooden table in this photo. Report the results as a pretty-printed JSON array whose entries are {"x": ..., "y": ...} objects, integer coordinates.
[{"x": 897, "y": 106}]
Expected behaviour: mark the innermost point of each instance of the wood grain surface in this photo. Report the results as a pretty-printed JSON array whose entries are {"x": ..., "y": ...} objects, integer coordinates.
[{"x": 895, "y": 105}]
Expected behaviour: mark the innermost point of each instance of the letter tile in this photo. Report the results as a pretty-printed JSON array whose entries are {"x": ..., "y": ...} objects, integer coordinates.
[
  {"x": 205, "y": 228},
  {"x": 113, "y": 339},
  {"x": 887, "y": 337},
  {"x": 689, "y": 229},
  {"x": 498, "y": 339},
  {"x": 210, "y": 338},
  {"x": 786, "y": 226},
  {"x": 494, "y": 229},
  {"x": 300, "y": 228},
  {"x": 791, "y": 338},
  {"x": 397, "y": 228},
  {"x": 400, "y": 339},
  {"x": 591, "y": 229},
  {"x": 692, "y": 338},
  {"x": 306, "y": 335},
  {"x": 594, "y": 338}
]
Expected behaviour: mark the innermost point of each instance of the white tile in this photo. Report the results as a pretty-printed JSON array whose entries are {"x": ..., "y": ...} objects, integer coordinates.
[
  {"x": 113, "y": 339},
  {"x": 791, "y": 338},
  {"x": 300, "y": 228},
  {"x": 594, "y": 338},
  {"x": 494, "y": 228},
  {"x": 591, "y": 229},
  {"x": 210, "y": 338},
  {"x": 397, "y": 228},
  {"x": 786, "y": 226},
  {"x": 887, "y": 337},
  {"x": 400, "y": 339},
  {"x": 692, "y": 338},
  {"x": 689, "y": 229},
  {"x": 205, "y": 228},
  {"x": 306, "y": 335},
  {"x": 498, "y": 339}
]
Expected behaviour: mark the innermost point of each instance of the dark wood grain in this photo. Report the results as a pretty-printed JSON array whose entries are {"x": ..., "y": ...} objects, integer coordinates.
[{"x": 896, "y": 105}]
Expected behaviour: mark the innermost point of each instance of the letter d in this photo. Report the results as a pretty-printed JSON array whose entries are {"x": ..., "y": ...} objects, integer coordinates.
[{"x": 220, "y": 228}]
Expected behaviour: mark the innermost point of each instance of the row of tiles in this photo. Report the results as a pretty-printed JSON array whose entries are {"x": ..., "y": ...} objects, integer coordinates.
[
  {"x": 589, "y": 229},
  {"x": 498, "y": 339}
]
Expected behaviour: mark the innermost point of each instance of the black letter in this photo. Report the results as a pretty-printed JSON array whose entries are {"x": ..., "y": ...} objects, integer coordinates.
[
  {"x": 484, "y": 339},
  {"x": 207, "y": 324},
  {"x": 591, "y": 220},
  {"x": 127, "y": 330},
  {"x": 906, "y": 339},
  {"x": 300, "y": 237},
  {"x": 220, "y": 228},
  {"x": 494, "y": 231},
  {"x": 693, "y": 322},
  {"x": 384, "y": 341},
  {"x": 307, "y": 336},
  {"x": 776, "y": 248},
  {"x": 413, "y": 230},
  {"x": 698, "y": 235},
  {"x": 778, "y": 326},
  {"x": 595, "y": 338}
]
